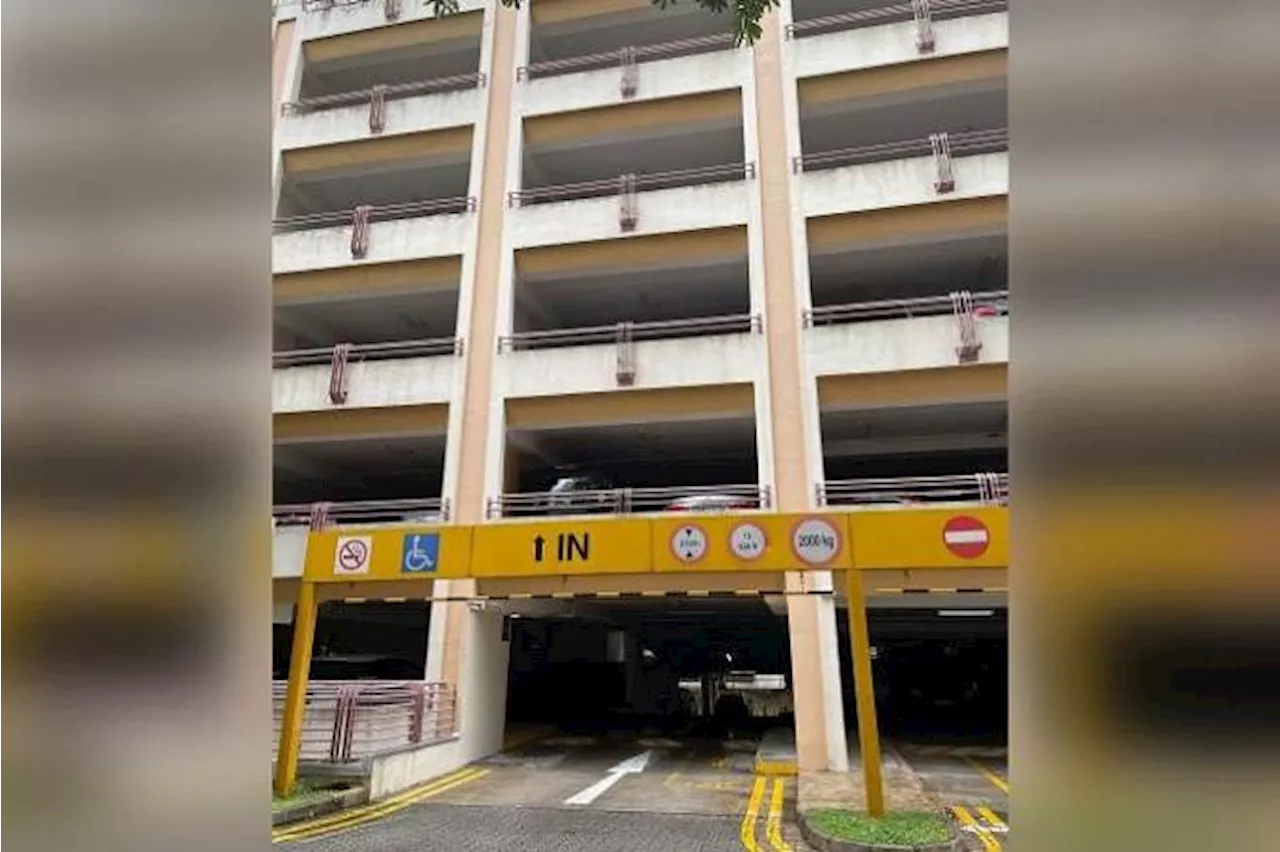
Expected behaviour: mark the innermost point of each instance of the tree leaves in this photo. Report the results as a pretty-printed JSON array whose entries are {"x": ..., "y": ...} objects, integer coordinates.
[{"x": 746, "y": 13}]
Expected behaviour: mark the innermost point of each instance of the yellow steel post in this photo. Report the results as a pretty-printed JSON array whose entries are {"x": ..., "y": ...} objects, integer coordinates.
[
  {"x": 295, "y": 701},
  {"x": 864, "y": 694}
]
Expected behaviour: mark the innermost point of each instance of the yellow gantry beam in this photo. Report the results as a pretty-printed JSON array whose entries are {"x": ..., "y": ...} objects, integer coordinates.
[{"x": 973, "y": 537}]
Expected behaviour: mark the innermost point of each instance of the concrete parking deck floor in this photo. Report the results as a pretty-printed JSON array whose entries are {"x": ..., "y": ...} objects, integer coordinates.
[{"x": 679, "y": 775}]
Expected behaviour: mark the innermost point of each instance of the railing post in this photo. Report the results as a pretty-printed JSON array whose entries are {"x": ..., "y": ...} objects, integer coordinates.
[
  {"x": 962, "y": 308},
  {"x": 319, "y": 516},
  {"x": 630, "y": 78},
  {"x": 941, "y": 145},
  {"x": 378, "y": 109},
  {"x": 417, "y": 714},
  {"x": 626, "y": 365},
  {"x": 628, "y": 204},
  {"x": 360, "y": 231},
  {"x": 923, "y": 15},
  {"x": 338, "y": 373}
]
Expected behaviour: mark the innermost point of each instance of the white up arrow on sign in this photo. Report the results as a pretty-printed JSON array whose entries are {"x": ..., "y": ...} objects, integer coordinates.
[{"x": 629, "y": 766}]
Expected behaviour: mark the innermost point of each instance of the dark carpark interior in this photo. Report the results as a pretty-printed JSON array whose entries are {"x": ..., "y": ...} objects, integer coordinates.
[
  {"x": 358, "y": 641},
  {"x": 638, "y": 455},
  {"x": 359, "y": 469},
  {"x": 596, "y": 666},
  {"x": 938, "y": 440},
  {"x": 941, "y": 673}
]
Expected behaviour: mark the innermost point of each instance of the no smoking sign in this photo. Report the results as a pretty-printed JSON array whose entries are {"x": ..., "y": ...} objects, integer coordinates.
[{"x": 352, "y": 555}]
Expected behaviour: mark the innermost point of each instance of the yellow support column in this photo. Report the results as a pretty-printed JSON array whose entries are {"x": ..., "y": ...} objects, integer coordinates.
[
  {"x": 295, "y": 701},
  {"x": 864, "y": 694}
]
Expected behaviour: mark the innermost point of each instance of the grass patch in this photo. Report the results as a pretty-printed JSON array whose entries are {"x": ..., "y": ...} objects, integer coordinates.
[
  {"x": 305, "y": 790},
  {"x": 904, "y": 828}
]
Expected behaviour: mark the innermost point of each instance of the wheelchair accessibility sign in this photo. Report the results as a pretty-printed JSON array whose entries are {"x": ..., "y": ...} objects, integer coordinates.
[{"x": 421, "y": 553}]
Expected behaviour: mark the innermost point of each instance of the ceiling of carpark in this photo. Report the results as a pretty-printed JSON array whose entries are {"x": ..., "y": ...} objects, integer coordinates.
[
  {"x": 400, "y": 316},
  {"x": 597, "y": 158},
  {"x": 694, "y": 440},
  {"x": 416, "y": 64},
  {"x": 635, "y": 296},
  {"x": 911, "y": 429},
  {"x": 922, "y": 267},
  {"x": 358, "y": 469},
  {"x": 601, "y": 33},
  {"x": 404, "y": 181},
  {"x": 902, "y": 116}
]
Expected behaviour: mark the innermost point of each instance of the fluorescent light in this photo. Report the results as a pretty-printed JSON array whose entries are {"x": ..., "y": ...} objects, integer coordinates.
[{"x": 966, "y": 613}]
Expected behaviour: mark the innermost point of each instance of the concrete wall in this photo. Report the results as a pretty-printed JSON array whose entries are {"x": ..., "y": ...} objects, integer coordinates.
[
  {"x": 364, "y": 16},
  {"x": 687, "y": 208},
  {"x": 402, "y": 381},
  {"x": 721, "y": 359},
  {"x": 685, "y": 75},
  {"x": 288, "y": 551},
  {"x": 393, "y": 773},
  {"x": 891, "y": 44},
  {"x": 403, "y": 115},
  {"x": 400, "y": 239},
  {"x": 899, "y": 344},
  {"x": 897, "y": 183},
  {"x": 484, "y": 686}
]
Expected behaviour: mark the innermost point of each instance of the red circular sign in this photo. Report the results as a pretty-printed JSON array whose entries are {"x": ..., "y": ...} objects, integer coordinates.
[{"x": 966, "y": 537}]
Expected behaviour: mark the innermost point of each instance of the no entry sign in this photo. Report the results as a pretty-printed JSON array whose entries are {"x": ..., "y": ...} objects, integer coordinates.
[{"x": 966, "y": 537}]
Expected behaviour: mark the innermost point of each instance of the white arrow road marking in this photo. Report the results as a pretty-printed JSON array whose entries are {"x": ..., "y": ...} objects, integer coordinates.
[{"x": 629, "y": 766}]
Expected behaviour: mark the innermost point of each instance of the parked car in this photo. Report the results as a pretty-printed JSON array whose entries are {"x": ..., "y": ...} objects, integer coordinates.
[
  {"x": 581, "y": 493},
  {"x": 710, "y": 503}
]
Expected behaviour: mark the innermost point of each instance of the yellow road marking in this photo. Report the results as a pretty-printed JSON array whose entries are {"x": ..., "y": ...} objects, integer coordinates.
[
  {"x": 996, "y": 781},
  {"x": 988, "y": 842},
  {"x": 748, "y": 831},
  {"x": 774, "y": 823},
  {"x": 369, "y": 813},
  {"x": 991, "y": 817}
]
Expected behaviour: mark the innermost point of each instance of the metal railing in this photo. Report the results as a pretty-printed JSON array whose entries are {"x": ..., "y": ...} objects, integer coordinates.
[
  {"x": 320, "y": 515},
  {"x": 938, "y": 9},
  {"x": 614, "y": 58},
  {"x": 397, "y": 91},
  {"x": 370, "y": 351},
  {"x": 981, "y": 488},
  {"x": 967, "y": 142},
  {"x": 643, "y": 183},
  {"x": 626, "y": 501},
  {"x": 377, "y": 213},
  {"x": 986, "y": 303},
  {"x": 657, "y": 330},
  {"x": 351, "y": 721}
]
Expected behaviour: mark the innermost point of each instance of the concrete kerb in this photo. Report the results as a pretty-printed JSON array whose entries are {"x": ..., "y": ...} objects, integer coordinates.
[
  {"x": 776, "y": 753},
  {"x": 338, "y": 800}
]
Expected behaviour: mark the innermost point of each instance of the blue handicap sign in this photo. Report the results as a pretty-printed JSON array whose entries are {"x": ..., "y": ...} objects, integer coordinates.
[{"x": 421, "y": 553}]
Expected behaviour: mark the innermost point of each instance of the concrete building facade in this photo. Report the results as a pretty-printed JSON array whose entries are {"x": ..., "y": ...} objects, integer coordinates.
[{"x": 592, "y": 235}]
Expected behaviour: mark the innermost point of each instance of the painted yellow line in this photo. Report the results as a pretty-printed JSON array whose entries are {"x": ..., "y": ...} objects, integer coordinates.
[
  {"x": 748, "y": 831},
  {"x": 311, "y": 831},
  {"x": 992, "y": 818},
  {"x": 361, "y": 816},
  {"x": 774, "y": 823},
  {"x": 343, "y": 816},
  {"x": 996, "y": 781},
  {"x": 988, "y": 842}
]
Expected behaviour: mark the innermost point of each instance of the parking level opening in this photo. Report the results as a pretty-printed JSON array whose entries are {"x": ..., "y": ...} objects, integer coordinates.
[{"x": 688, "y": 669}]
